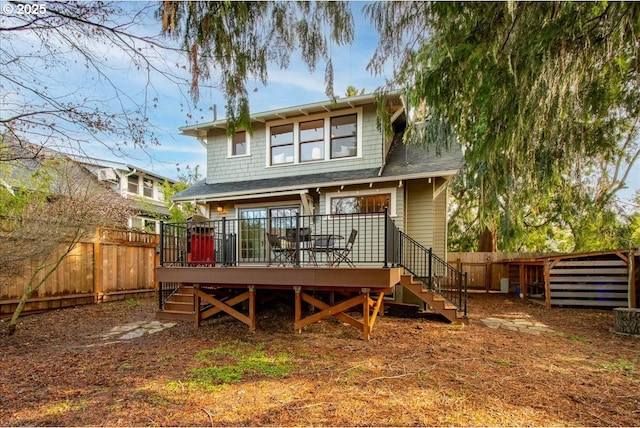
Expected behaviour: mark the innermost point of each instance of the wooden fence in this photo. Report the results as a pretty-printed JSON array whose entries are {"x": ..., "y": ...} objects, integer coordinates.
[
  {"x": 603, "y": 279},
  {"x": 114, "y": 265},
  {"x": 487, "y": 271}
]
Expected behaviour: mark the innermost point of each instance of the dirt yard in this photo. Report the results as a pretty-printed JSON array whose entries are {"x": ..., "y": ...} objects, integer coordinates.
[{"x": 110, "y": 365}]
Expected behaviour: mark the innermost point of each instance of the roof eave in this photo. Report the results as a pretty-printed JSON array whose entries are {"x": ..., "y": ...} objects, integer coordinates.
[
  {"x": 321, "y": 184},
  {"x": 200, "y": 130}
]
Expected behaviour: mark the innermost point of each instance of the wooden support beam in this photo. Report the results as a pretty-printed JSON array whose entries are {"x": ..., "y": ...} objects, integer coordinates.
[
  {"x": 337, "y": 310},
  {"x": 366, "y": 304},
  {"x": 225, "y": 307},
  {"x": 547, "y": 284},
  {"x": 298, "y": 309},
  {"x": 327, "y": 311},
  {"x": 377, "y": 309},
  {"x": 252, "y": 308}
]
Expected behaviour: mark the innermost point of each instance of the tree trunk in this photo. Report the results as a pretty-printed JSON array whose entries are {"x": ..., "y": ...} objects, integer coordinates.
[
  {"x": 487, "y": 242},
  {"x": 13, "y": 324},
  {"x": 32, "y": 285},
  {"x": 626, "y": 320}
]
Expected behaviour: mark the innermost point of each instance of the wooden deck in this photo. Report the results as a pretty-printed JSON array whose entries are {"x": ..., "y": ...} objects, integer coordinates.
[{"x": 364, "y": 287}]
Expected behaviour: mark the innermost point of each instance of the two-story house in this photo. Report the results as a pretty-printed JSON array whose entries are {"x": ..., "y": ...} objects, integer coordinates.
[
  {"x": 314, "y": 189},
  {"x": 132, "y": 182},
  {"x": 325, "y": 158}
]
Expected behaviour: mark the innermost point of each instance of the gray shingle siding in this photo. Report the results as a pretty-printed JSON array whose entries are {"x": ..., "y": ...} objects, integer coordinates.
[{"x": 221, "y": 168}]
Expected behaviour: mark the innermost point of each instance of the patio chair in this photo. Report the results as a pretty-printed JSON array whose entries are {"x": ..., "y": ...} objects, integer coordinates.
[
  {"x": 342, "y": 254},
  {"x": 284, "y": 254},
  {"x": 322, "y": 244}
]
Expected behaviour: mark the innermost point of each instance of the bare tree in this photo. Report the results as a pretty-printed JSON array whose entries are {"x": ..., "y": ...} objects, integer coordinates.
[
  {"x": 73, "y": 73},
  {"x": 52, "y": 204}
]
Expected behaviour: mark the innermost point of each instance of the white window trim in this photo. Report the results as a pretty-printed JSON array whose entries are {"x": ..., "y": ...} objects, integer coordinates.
[
  {"x": 327, "y": 136},
  {"x": 367, "y": 192},
  {"x": 230, "y": 145},
  {"x": 153, "y": 188},
  {"x": 294, "y": 202}
]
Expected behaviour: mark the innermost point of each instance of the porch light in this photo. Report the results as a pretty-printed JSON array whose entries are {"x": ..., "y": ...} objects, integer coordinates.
[
  {"x": 220, "y": 208},
  {"x": 400, "y": 183}
]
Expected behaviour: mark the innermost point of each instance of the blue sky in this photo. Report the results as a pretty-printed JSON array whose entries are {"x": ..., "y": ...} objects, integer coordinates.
[{"x": 292, "y": 86}]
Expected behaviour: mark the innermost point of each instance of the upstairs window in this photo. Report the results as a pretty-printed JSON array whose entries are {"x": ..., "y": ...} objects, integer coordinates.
[
  {"x": 282, "y": 144},
  {"x": 344, "y": 136},
  {"x": 240, "y": 144},
  {"x": 312, "y": 140},
  {"x": 132, "y": 184},
  {"x": 147, "y": 187}
]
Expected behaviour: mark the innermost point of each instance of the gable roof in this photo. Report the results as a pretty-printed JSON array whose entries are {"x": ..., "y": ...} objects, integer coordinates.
[
  {"x": 200, "y": 130},
  {"x": 127, "y": 168}
]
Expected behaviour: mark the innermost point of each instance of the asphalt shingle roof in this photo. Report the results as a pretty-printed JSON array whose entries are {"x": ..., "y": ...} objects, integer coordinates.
[{"x": 402, "y": 161}]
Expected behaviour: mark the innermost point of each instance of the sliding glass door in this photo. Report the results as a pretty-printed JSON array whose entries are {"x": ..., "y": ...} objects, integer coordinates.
[{"x": 255, "y": 222}]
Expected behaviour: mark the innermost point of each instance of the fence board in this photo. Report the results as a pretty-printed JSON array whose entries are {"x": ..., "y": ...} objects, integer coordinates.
[
  {"x": 590, "y": 263},
  {"x": 579, "y": 279},
  {"x": 578, "y": 286},
  {"x": 91, "y": 273},
  {"x": 603, "y": 303},
  {"x": 595, "y": 271}
]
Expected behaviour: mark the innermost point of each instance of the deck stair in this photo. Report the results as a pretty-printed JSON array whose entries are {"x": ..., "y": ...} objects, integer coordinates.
[
  {"x": 435, "y": 301},
  {"x": 179, "y": 306}
]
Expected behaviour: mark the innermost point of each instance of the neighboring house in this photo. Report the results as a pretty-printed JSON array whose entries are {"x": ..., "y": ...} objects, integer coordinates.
[
  {"x": 325, "y": 158},
  {"x": 136, "y": 183}
]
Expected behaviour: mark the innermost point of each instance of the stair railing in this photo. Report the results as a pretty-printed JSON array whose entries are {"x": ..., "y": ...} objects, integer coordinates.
[{"x": 434, "y": 273}]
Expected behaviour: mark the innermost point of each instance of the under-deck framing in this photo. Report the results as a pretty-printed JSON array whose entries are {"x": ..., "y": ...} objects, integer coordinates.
[{"x": 359, "y": 287}]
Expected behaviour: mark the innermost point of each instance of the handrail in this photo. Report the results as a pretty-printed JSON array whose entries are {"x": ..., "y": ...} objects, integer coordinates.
[{"x": 435, "y": 274}]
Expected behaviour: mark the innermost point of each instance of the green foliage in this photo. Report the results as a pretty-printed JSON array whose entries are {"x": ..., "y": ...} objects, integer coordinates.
[
  {"x": 48, "y": 204},
  {"x": 238, "y": 40},
  {"x": 543, "y": 97},
  {"x": 619, "y": 366},
  {"x": 352, "y": 91},
  {"x": 231, "y": 363},
  {"x": 180, "y": 212}
]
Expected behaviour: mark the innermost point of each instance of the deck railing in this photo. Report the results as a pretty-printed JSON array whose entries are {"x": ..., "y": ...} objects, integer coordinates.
[
  {"x": 243, "y": 241},
  {"x": 434, "y": 273}
]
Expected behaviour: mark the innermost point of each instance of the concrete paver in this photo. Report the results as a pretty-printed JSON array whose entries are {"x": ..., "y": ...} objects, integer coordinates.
[{"x": 521, "y": 325}]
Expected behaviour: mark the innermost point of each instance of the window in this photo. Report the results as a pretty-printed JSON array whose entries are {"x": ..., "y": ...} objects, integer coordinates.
[
  {"x": 344, "y": 138},
  {"x": 360, "y": 204},
  {"x": 150, "y": 226},
  {"x": 132, "y": 184},
  {"x": 147, "y": 187},
  {"x": 240, "y": 144},
  {"x": 312, "y": 140},
  {"x": 282, "y": 144}
]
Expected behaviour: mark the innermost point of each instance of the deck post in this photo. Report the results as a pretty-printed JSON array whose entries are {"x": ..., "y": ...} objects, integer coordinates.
[
  {"x": 298, "y": 307},
  {"x": 431, "y": 268},
  {"x": 366, "y": 327},
  {"x": 161, "y": 243},
  {"x": 386, "y": 239},
  {"x": 223, "y": 254},
  {"x": 297, "y": 263},
  {"x": 547, "y": 283},
  {"x": 196, "y": 303},
  {"x": 252, "y": 308}
]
